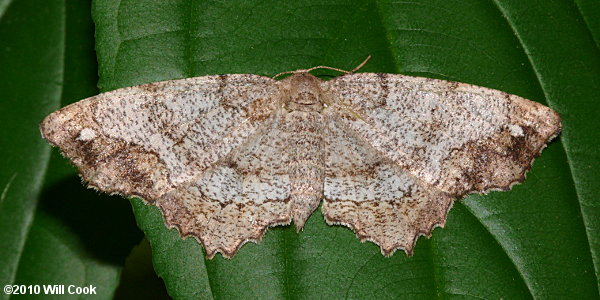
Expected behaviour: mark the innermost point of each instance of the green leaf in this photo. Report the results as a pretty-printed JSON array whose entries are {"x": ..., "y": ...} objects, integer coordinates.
[
  {"x": 53, "y": 230},
  {"x": 540, "y": 240}
]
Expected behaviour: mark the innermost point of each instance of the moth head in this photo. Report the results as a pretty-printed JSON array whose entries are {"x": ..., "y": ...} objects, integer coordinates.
[{"x": 302, "y": 91}]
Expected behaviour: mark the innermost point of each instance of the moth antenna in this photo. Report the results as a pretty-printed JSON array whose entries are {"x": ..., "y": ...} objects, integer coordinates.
[
  {"x": 362, "y": 64},
  {"x": 328, "y": 68},
  {"x": 325, "y": 67},
  {"x": 286, "y": 72}
]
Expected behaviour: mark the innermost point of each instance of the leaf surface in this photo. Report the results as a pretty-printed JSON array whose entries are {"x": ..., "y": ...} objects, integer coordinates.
[{"x": 52, "y": 230}]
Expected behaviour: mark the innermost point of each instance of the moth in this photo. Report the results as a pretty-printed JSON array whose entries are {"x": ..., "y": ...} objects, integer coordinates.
[{"x": 225, "y": 157}]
